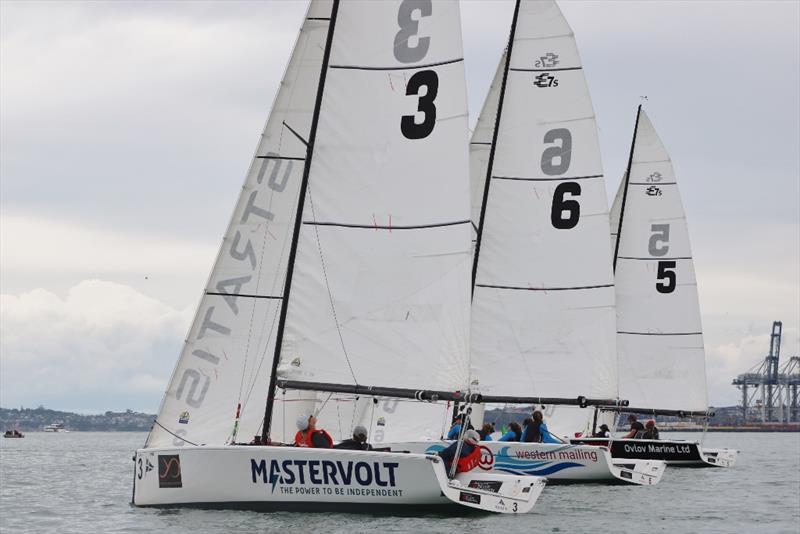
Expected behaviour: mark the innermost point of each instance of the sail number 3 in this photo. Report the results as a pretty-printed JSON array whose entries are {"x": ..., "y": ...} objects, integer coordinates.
[{"x": 405, "y": 53}]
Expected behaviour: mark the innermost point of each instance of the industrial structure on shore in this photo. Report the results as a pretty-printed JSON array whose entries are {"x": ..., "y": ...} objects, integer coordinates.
[{"x": 769, "y": 389}]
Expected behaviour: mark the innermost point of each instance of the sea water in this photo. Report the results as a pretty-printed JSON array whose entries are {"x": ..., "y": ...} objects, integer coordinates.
[{"x": 81, "y": 482}]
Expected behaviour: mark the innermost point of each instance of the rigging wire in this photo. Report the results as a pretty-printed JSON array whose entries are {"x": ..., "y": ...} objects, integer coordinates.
[{"x": 328, "y": 287}]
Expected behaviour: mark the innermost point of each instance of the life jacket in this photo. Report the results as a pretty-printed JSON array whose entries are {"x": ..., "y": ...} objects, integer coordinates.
[
  {"x": 307, "y": 440},
  {"x": 470, "y": 461},
  {"x": 532, "y": 433}
]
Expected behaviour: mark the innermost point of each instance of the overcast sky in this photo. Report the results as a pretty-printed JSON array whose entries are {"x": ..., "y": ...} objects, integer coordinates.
[{"x": 126, "y": 129}]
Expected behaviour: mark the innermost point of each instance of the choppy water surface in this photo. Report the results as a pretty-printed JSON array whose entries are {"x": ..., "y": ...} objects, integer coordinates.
[{"x": 81, "y": 482}]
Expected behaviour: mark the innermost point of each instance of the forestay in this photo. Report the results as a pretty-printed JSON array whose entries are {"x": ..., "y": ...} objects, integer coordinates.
[
  {"x": 543, "y": 303},
  {"x": 380, "y": 289},
  {"x": 660, "y": 341},
  {"x": 227, "y": 356}
]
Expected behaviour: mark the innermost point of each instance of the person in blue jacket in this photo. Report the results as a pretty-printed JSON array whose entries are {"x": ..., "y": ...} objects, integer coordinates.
[
  {"x": 455, "y": 430},
  {"x": 514, "y": 432},
  {"x": 536, "y": 430}
]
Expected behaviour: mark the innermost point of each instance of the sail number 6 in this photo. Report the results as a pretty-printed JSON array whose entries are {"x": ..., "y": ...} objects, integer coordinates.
[{"x": 564, "y": 213}]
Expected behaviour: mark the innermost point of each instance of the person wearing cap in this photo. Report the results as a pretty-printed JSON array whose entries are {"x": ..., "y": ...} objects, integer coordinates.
[
  {"x": 470, "y": 453},
  {"x": 308, "y": 435},
  {"x": 604, "y": 432},
  {"x": 650, "y": 430},
  {"x": 636, "y": 427},
  {"x": 358, "y": 441}
]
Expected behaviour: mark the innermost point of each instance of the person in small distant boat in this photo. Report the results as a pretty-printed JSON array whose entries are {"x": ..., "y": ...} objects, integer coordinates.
[
  {"x": 308, "y": 435},
  {"x": 514, "y": 432},
  {"x": 536, "y": 431},
  {"x": 486, "y": 431},
  {"x": 603, "y": 432},
  {"x": 650, "y": 430},
  {"x": 470, "y": 453},
  {"x": 636, "y": 427},
  {"x": 357, "y": 443}
]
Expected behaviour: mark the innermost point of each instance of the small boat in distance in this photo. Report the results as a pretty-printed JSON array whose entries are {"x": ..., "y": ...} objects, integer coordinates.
[
  {"x": 55, "y": 427},
  {"x": 13, "y": 434}
]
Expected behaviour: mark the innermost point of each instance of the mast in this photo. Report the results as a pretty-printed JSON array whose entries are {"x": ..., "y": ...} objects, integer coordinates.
[
  {"x": 627, "y": 179},
  {"x": 494, "y": 146},
  {"x": 297, "y": 224}
]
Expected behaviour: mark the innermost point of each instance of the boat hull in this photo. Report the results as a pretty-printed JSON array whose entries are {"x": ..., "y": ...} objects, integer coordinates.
[
  {"x": 677, "y": 453},
  {"x": 292, "y": 478},
  {"x": 560, "y": 463}
]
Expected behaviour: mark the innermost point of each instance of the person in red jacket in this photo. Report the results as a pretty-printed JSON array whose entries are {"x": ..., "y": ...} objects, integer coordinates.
[
  {"x": 308, "y": 435},
  {"x": 470, "y": 453}
]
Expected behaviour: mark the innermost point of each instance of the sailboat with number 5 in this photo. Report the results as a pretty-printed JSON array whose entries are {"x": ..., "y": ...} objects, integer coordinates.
[{"x": 662, "y": 362}]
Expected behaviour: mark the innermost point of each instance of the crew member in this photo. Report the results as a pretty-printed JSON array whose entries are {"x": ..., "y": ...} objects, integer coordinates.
[
  {"x": 357, "y": 443},
  {"x": 308, "y": 435},
  {"x": 636, "y": 427},
  {"x": 486, "y": 431},
  {"x": 470, "y": 453},
  {"x": 455, "y": 430},
  {"x": 536, "y": 431},
  {"x": 604, "y": 432},
  {"x": 650, "y": 430},
  {"x": 514, "y": 432}
]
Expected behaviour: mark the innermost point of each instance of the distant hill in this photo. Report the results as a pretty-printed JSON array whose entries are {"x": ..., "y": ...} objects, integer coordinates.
[{"x": 35, "y": 419}]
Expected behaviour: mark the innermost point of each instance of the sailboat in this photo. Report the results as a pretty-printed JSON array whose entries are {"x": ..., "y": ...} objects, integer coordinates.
[
  {"x": 344, "y": 272},
  {"x": 659, "y": 331},
  {"x": 543, "y": 324}
]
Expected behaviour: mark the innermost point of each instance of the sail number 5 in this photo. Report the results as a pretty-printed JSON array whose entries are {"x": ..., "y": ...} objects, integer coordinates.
[{"x": 658, "y": 246}]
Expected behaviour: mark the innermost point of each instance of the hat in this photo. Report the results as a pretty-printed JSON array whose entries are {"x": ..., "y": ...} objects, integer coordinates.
[
  {"x": 650, "y": 424},
  {"x": 603, "y": 427},
  {"x": 302, "y": 420},
  {"x": 472, "y": 435},
  {"x": 359, "y": 430}
]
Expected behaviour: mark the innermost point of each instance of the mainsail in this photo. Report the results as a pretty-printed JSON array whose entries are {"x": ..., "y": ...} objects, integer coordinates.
[
  {"x": 380, "y": 286},
  {"x": 225, "y": 362},
  {"x": 660, "y": 340},
  {"x": 543, "y": 302}
]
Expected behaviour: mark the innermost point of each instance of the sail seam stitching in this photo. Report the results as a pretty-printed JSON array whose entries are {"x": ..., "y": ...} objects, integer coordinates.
[
  {"x": 545, "y": 288},
  {"x": 546, "y": 70},
  {"x": 399, "y": 67},
  {"x": 559, "y": 179},
  {"x": 385, "y": 227},
  {"x": 654, "y": 259},
  {"x": 246, "y": 295},
  {"x": 661, "y": 333},
  {"x": 281, "y": 157}
]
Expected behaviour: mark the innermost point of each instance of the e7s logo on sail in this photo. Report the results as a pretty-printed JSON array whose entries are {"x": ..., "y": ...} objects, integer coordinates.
[{"x": 545, "y": 79}]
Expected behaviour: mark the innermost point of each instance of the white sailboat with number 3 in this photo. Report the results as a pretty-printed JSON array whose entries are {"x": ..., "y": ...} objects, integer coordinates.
[{"x": 346, "y": 264}]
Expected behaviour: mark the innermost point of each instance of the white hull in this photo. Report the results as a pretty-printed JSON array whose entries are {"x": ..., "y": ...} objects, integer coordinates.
[
  {"x": 291, "y": 478},
  {"x": 560, "y": 463},
  {"x": 677, "y": 453}
]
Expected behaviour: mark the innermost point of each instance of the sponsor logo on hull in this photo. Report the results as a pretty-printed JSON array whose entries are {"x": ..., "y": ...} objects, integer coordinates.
[
  {"x": 327, "y": 477},
  {"x": 169, "y": 471},
  {"x": 522, "y": 461}
]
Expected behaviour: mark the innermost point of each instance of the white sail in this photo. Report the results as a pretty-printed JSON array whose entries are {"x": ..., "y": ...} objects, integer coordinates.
[
  {"x": 661, "y": 354},
  {"x": 380, "y": 288},
  {"x": 227, "y": 357},
  {"x": 543, "y": 303}
]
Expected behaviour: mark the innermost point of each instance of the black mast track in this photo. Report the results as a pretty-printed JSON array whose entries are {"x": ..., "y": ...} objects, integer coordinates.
[
  {"x": 494, "y": 144},
  {"x": 627, "y": 179},
  {"x": 297, "y": 224},
  {"x": 434, "y": 395},
  {"x": 657, "y": 411}
]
